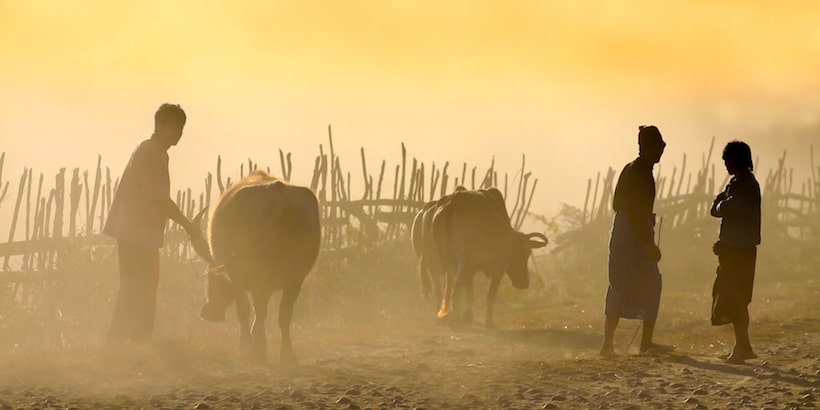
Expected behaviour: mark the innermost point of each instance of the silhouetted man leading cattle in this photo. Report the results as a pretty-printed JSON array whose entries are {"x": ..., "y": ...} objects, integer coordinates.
[{"x": 139, "y": 211}]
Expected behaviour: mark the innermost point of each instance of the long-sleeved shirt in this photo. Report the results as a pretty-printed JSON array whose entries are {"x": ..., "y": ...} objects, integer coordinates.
[
  {"x": 740, "y": 211},
  {"x": 135, "y": 215},
  {"x": 635, "y": 197}
]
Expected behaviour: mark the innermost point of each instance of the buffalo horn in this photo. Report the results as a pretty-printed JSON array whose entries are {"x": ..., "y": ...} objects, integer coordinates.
[
  {"x": 197, "y": 221},
  {"x": 539, "y": 236}
]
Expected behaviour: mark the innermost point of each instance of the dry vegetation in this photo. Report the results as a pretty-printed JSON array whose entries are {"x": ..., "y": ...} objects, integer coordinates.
[{"x": 365, "y": 338}]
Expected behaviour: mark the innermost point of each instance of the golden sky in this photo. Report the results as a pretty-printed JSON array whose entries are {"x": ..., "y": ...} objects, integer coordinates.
[
  {"x": 541, "y": 77},
  {"x": 452, "y": 45}
]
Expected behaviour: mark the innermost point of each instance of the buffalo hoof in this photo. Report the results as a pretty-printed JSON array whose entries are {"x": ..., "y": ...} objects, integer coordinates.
[{"x": 212, "y": 313}]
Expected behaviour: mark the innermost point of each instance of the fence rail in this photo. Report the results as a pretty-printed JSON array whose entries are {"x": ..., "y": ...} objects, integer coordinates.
[
  {"x": 383, "y": 212},
  {"x": 685, "y": 209}
]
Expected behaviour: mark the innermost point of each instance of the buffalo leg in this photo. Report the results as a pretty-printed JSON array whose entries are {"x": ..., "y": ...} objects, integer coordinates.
[
  {"x": 450, "y": 278},
  {"x": 491, "y": 294},
  {"x": 467, "y": 315},
  {"x": 459, "y": 297},
  {"x": 436, "y": 279},
  {"x": 243, "y": 312},
  {"x": 289, "y": 294},
  {"x": 424, "y": 279},
  {"x": 260, "y": 310}
]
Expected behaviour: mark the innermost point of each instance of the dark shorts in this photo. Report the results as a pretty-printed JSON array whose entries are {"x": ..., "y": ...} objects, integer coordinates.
[{"x": 732, "y": 291}]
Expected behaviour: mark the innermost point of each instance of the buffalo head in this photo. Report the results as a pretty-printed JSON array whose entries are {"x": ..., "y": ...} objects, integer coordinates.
[{"x": 521, "y": 245}]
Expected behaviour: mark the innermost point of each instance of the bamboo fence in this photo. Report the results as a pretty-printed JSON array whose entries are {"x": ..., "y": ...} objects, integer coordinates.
[
  {"x": 684, "y": 199},
  {"x": 382, "y": 213}
]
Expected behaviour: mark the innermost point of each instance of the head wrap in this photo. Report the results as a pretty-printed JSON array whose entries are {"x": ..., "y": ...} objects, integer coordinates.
[{"x": 649, "y": 135}]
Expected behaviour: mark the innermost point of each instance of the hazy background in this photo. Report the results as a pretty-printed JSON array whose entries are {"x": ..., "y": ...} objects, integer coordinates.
[{"x": 567, "y": 83}]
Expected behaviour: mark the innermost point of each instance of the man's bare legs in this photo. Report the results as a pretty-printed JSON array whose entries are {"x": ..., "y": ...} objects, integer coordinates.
[
  {"x": 610, "y": 324},
  {"x": 647, "y": 345},
  {"x": 743, "y": 346},
  {"x": 646, "y": 336}
]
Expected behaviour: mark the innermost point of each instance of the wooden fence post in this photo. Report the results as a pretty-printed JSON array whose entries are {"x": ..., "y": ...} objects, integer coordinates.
[{"x": 5, "y": 187}]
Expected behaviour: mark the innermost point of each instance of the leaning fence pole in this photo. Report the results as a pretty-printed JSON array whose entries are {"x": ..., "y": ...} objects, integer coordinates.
[
  {"x": 108, "y": 187},
  {"x": 420, "y": 188},
  {"x": 5, "y": 187},
  {"x": 403, "y": 172},
  {"x": 379, "y": 187},
  {"x": 74, "y": 199},
  {"x": 672, "y": 182},
  {"x": 209, "y": 181},
  {"x": 526, "y": 209},
  {"x": 586, "y": 202},
  {"x": 520, "y": 185},
  {"x": 814, "y": 188},
  {"x": 90, "y": 215},
  {"x": 87, "y": 196},
  {"x": 282, "y": 163},
  {"x": 682, "y": 173},
  {"x": 506, "y": 183},
  {"x": 606, "y": 192},
  {"x": 28, "y": 204},
  {"x": 314, "y": 179},
  {"x": 38, "y": 203},
  {"x": 391, "y": 227},
  {"x": 522, "y": 193},
  {"x": 28, "y": 256},
  {"x": 219, "y": 174},
  {"x": 20, "y": 189},
  {"x": 444, "y": 178},
  {"x": 412, "y": 185},
  {"x": 47, "y": 261},
  {"x": 59, "y": 200},
  {"x": 472, "y": 178},
  {"x": 334, "y": 171},
  {"x": 37, "y": 233},
  {"x": 364, "y": 174},
  {"x": 435, "y": 174}
]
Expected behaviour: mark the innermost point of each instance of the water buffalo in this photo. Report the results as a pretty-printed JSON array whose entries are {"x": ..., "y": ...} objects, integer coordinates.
[
  {"x": 472, "y": 232},
  {"x": 264, "y": 236},
  {"x": 430, "y": 275}
]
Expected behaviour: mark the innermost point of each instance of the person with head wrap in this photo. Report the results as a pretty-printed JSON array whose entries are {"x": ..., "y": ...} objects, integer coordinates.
[
  {"x": 634, "y": 290},
  {"x": 738, "y": 207}
]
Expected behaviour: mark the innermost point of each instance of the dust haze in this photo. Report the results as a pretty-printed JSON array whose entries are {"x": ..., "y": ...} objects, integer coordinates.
[{"x": 566, "y": 85}]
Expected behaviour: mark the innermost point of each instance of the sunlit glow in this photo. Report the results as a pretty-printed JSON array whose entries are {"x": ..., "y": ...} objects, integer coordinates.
[{"x": 527, "y": 76}]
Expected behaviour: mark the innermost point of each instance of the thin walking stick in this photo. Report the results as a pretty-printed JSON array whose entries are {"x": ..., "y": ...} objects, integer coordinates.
[
  {"x": 634, "y": 335},
  {"x": 660, "y": 227}
]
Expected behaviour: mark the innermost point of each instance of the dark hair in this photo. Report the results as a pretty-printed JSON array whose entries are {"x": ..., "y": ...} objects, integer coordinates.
[
  {"x": 740, "y": 153},
  {"x": 649, "y": 134},
  {"x": 169, "y": 113}
]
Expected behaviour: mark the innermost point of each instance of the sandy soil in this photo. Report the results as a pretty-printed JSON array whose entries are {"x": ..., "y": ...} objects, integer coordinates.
[
  {"x": 420, "y": 368},
  {"x": 543, "y": 358}
]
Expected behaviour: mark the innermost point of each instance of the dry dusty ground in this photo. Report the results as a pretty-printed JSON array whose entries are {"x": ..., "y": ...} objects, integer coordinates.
[{"x": 538, "y": 358}]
